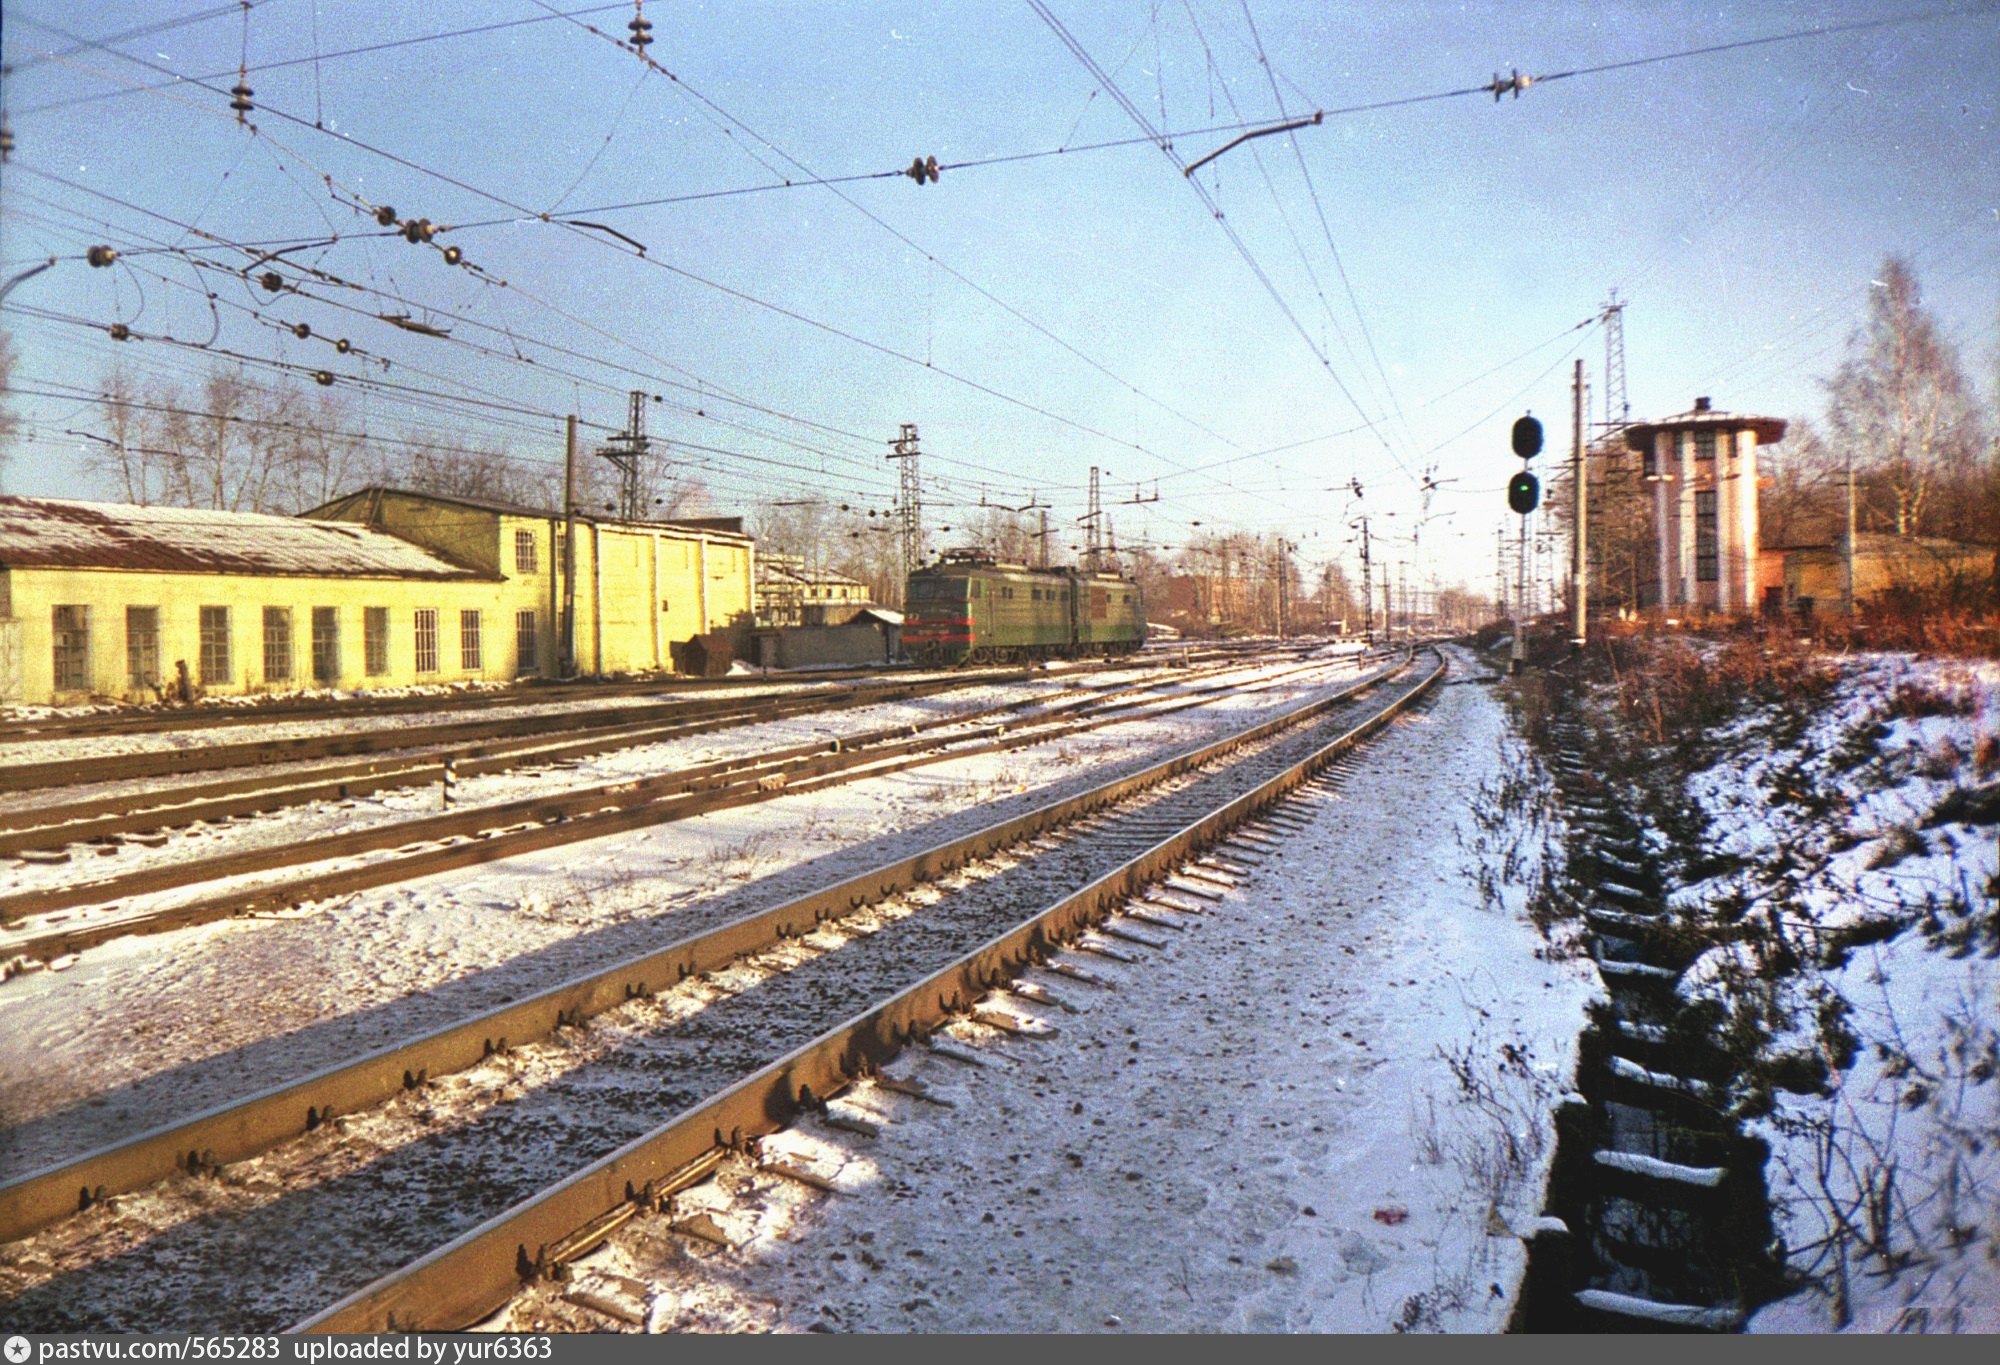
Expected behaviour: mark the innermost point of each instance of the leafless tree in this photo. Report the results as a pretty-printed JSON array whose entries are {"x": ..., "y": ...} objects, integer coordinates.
[
  {"x": 9, "y": 423},
  {"x": 1900, "y": 408}
]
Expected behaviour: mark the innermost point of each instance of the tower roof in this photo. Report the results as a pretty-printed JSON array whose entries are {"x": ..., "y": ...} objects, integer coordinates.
[{"x": 1770, "y": 430}]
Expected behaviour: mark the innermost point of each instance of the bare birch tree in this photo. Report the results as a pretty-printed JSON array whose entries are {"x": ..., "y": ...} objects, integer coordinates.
[{"x": 1900, "y": 408}]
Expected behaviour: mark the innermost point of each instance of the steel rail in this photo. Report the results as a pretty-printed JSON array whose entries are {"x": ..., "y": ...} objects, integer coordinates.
[
  {"x": 510, "y": 828},
  {"x": 155, "y": 720},
  {"x": 246, "y": 1127},
  {"x": 258, "y": 753},
  {"x": 46, "y": 827},
  {"x": 158, "y": 719},
  {"x": 476, "y": 1273},
  {"x": 101, "y": 818}
]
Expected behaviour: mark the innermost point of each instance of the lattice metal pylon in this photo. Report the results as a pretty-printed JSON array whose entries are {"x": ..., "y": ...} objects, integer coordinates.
[
  {"x": 910, "y": 497},
  {"x": 628, "y": 450},
  {"x": 1617, "y": 409},
  {"x": 1093, "y": 544}
]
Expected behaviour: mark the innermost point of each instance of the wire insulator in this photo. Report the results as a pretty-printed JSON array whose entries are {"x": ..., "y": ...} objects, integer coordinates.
[
  {"x": 642, "y": 33},
  {"x": 272, "y": 281},
  {"x": 301, "y": 331},
  {"x": 240, "y": 100},
  {"x": 120, "y": 332},
  {"x": 923, "y": 169},
  {"x": 6, "y": 139},
  {"x": 100, "y": 256},
  {"x": 324, "y": 378},
  {"x": 418, "y": 230},
  {"x": 452, "y": 255},
  {"x": 343, "y": 345},
  {"x": 386, "y": 216}
]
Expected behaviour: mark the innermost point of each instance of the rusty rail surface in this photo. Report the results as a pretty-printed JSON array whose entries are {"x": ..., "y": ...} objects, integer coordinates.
[
  {"x": 151, "y": 719},
  {"x": 53, "y": 826},
  {"x": 457, "y": 734},
  {"x": 101, "y": 819},
  {"x": 243, "y": 1128},
  {"x": 488, "y": 833},
  {"x": 476, "y": 1273}
]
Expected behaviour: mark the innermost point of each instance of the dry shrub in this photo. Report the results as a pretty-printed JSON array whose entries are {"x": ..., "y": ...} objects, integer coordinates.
[
  {"x": 1944, "y": 622},
  {"x": 1677, "y": 690},
  {"x": 1986, "y": 755}
]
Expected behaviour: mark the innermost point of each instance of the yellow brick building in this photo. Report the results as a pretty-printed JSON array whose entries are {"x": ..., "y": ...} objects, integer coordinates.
[
  {"x": 641, "y": 587},
  {"x": 378, "y": 589},
  {"x": 117, "y": 601}
]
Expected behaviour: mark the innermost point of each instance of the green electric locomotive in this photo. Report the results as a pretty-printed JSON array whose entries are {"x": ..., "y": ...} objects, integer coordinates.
[{"x": 970, "y": 608}]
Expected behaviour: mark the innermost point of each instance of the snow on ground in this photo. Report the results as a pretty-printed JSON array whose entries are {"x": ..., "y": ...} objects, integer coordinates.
[
  {"x": 142, "y": 1030},
  {"x": 1257, "y": 1128},
  {"x": 1886, "y": 1190},
  {"x": 166, "y": 738},
  {"x": 302, "y": 823}
]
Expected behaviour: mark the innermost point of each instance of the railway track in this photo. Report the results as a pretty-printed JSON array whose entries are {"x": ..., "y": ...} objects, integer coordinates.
[
  {"x": 543, "y": 1147},
  {"x": 427, "y": 845},
  {"x": 418, "y": 760},
  {"x": 147, "y": 720}
]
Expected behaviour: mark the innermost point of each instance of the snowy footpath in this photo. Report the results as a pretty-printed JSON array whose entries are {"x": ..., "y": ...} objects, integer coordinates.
[{"x": 1322, "y": 1107}]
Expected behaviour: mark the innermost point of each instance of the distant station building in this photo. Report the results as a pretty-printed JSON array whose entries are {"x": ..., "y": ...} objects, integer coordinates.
[
  {"x": 1679, "y": 504},
  {"x": 382, "y": 588},
  {"x": 791, "y": 594}
]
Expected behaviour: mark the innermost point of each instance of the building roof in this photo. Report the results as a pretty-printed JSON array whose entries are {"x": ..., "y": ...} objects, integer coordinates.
[
  {"x": 790, "y": 569},
  {"x": 59, "y": 533},
  {"x": 727, "y": 528},
  {"x": 1770, "y": 430}
]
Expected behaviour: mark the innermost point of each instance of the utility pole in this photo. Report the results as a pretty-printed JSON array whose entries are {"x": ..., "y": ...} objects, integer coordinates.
[
  {"x": 568, "y": 645},
  {"x": 1044, "y": 538},
  {"x": 1367, "y": 589},
  {"x": 910, "y": 498},
  {"x": 1282, "y": 576},
  {"x": 1579, "y": 572}
]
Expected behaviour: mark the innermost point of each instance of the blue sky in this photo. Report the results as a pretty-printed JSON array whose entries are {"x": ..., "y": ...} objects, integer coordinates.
[{"x": 1033, "y": 316}]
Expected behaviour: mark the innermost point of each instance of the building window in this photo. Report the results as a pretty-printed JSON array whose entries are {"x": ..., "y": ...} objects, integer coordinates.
[
  {"x": 470, "y": 657},
  {"x": 1704, "y": 444},
  {"x": 1651, "y": 460},
  {"x": 527, "y": 657},
  {"x": 524, "y": 552},
  {"x": 375, "y": 640},
  {"x": 142, "y": 646},
  {"x": 427, "y": 640},
  {"x": 326, "y": 644},
  {"x": 215, "y": 663},
  {"x": 72, "y": 644},
  {"x": 277, "y": 644},
  {"x": 1706, "y": 564}
]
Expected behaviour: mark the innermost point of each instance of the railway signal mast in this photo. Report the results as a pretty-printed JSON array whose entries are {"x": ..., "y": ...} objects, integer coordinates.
[{"x": 1524, "y": 494}]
